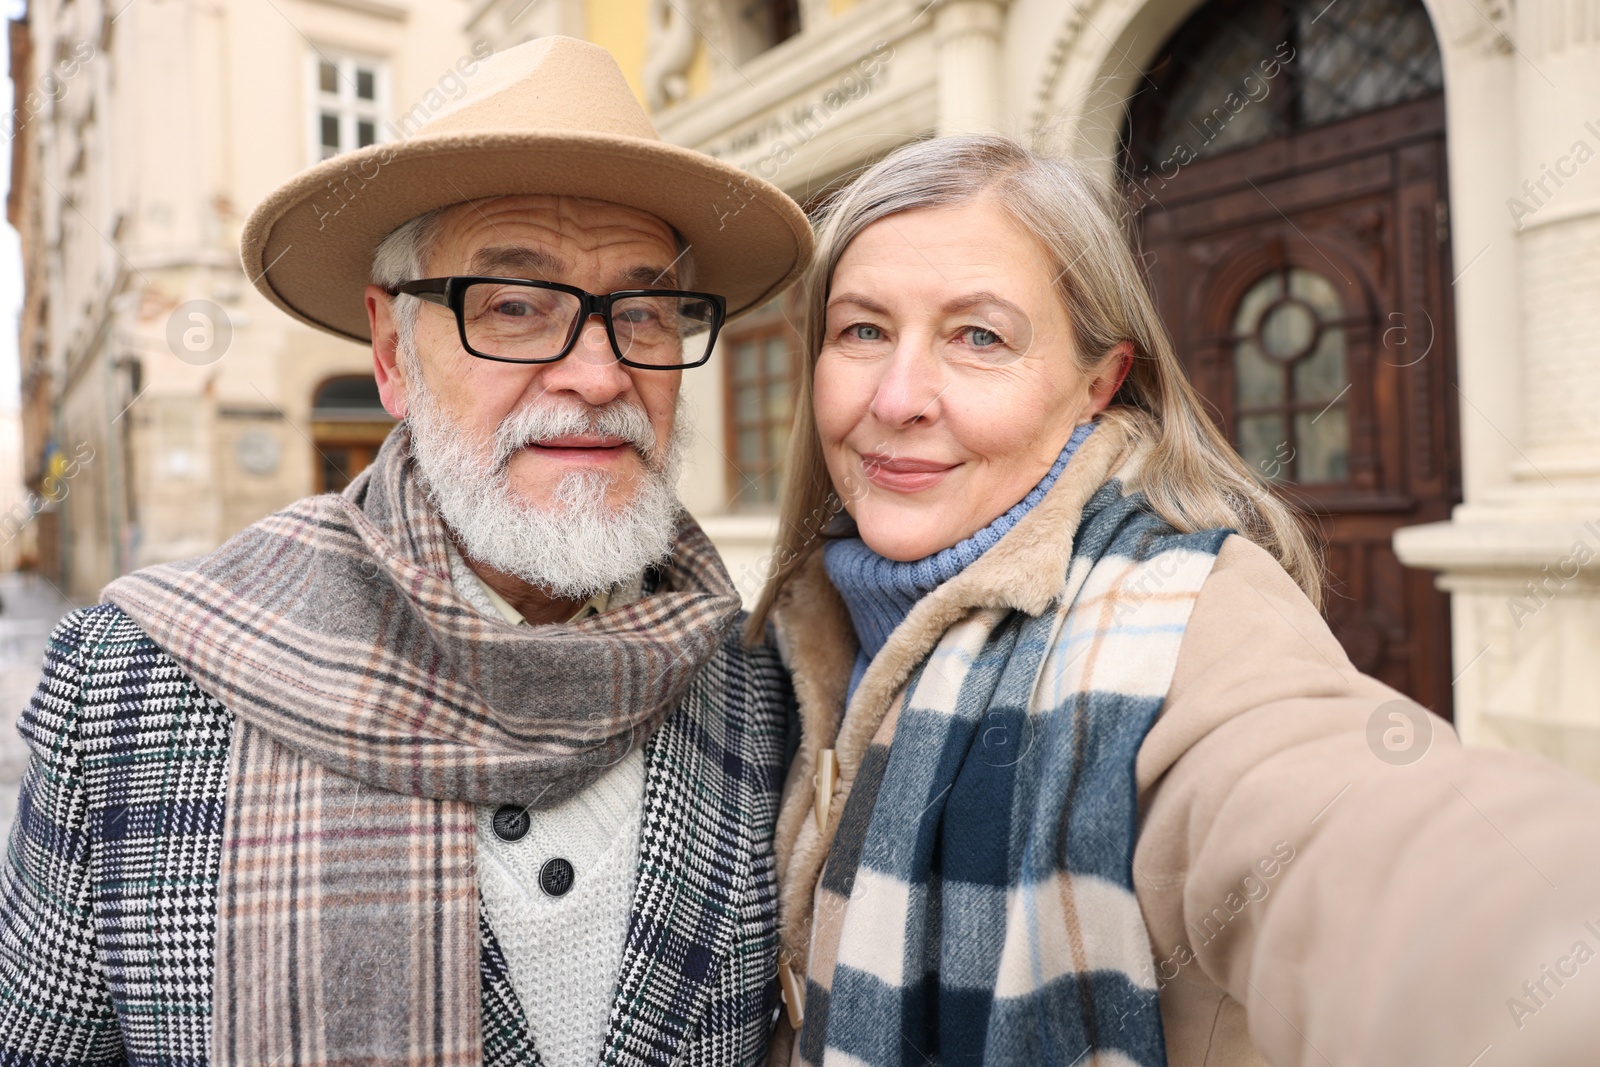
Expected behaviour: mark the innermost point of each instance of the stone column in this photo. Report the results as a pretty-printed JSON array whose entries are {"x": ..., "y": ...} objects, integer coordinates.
[
  {"x": 1521, "y": 557},
  {"x": 968, "y": 49}
]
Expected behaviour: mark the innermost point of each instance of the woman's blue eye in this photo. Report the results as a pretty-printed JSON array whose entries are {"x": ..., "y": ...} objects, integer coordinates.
[
  {"x": 865, "y": 332},
  {"x": 982, "y": 338}
]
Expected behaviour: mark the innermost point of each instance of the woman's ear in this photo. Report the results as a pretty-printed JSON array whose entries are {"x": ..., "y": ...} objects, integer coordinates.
[{"x": 1114, "y": 370}]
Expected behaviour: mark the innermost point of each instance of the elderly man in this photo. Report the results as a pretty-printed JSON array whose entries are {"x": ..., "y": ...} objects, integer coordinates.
[{"x": 466, "y": 764}]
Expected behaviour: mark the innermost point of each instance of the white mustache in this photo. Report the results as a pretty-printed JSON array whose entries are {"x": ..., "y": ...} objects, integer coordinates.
[{"x": 531, "y": 425}]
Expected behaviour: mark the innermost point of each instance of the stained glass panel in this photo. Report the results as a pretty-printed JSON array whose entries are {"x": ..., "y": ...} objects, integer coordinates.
[
  {"x": 1322, "y": 446},
  {"x": 1360, "y": 55},
  {"x": 1288, "y": 330},
  {"x": 1240, "y": 72},
  {"x": 1321, "y": 375},
  {"x": 1263, "y": 441},
  {"x": 1291, "y": 379},
  {"x": 1258, "y": 382}
]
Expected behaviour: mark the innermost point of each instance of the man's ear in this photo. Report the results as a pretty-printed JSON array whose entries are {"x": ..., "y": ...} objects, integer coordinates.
[
  {"x": 1113, "y": 372},
  {"x": 386, "y": 365}
]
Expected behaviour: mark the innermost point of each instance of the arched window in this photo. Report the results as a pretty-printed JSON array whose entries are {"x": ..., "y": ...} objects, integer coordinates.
[
  {"x": 1290, "y": 378},
  {"x": 348, "y": 425},
  {"x": 1240, "y": 72}
]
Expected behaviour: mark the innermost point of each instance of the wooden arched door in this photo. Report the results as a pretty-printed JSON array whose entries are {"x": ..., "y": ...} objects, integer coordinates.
[
  {"x": 1287, "y": 166},
  {"x": 348, "y": 426}
]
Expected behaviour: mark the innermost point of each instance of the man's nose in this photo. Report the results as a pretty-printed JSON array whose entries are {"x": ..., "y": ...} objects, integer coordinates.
[{"x": 591, "y": 370}]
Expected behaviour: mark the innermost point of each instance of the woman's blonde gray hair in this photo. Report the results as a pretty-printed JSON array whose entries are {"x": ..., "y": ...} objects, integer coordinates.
[{"x": 1192, "y": 476}]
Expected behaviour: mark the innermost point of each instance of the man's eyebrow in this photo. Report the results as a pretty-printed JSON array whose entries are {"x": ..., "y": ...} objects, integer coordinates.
[
  {"x": 643, "y": 277},
  {"x": 537, "y": 265},
  {"x": 519, "y": 262}
]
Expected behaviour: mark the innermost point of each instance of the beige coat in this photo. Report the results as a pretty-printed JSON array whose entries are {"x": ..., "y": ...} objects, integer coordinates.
[{"x": 1307, "y": 901}]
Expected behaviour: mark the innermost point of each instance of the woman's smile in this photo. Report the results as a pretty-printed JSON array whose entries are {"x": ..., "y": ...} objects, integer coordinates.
[{"x": 903, "y": 474}]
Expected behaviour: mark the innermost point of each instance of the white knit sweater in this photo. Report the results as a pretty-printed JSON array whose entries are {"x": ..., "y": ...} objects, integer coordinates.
[{"x": 564, "y": 953}]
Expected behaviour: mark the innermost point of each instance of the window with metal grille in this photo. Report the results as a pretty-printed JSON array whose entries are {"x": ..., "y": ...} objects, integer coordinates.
[{"x": 1240, "y": 72}]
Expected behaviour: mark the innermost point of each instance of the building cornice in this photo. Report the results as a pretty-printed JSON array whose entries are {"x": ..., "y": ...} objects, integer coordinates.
[
  {"x": 770, "y": 79},
  {"x": 380, "y": 8}
]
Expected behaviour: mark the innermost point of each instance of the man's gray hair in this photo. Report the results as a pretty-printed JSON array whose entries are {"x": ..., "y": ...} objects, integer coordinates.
[{"x": 402, "y": 257}]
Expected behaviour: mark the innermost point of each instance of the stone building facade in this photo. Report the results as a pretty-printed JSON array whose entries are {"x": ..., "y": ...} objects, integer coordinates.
[
  {"x": 144, "y": 135},
  {"x": 1371, "y": 225}
]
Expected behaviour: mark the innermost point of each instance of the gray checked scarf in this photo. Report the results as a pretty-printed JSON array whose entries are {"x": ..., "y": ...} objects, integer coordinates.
[{"x": 374, "y": 709}]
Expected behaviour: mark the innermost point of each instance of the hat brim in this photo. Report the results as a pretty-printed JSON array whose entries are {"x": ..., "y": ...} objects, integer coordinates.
[{"x": 309, "y": 246}]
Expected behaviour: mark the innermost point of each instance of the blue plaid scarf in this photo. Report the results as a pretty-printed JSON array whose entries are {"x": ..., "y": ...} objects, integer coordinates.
[{"x": 977, "y": 905}]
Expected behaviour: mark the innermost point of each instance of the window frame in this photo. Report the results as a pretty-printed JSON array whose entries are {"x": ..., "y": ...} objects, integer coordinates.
[
  {"x": 344, "y": 103},
  {"x": 1287, "y": 470},
  {"x": 358, "y": 430},
  {"x": 758, "y": 332}
]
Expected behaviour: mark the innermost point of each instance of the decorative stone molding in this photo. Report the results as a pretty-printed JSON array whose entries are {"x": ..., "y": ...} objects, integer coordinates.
[
  {"x": 1062, "y": 44},
  {"x": 505, "y": 23},
  {"x": 1482, "y": 27},
  {"x": 815, "y": 13},
  {"x": 1553, "y": 27},
  {"x": 670, "y": 49},
  {"x": 381, "y": 8},
  {"x": 1525, "y": 616},
  {"x": 869, "y": 80}
]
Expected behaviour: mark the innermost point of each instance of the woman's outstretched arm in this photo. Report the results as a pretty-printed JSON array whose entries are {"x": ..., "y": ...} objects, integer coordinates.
[{"x": 1368, "y": 894}]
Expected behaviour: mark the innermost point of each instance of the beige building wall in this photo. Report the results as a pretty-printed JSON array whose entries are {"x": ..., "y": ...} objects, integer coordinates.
[
  {"x": 17, "y": 530},
  {"x": 174, "y": 120}
]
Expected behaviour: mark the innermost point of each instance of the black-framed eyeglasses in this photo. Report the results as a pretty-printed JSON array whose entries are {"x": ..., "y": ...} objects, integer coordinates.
[{"x": 515, "y": 320}]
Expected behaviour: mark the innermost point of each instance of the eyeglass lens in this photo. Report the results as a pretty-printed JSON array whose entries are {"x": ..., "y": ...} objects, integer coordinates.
[{"x": 522, "y": 322}]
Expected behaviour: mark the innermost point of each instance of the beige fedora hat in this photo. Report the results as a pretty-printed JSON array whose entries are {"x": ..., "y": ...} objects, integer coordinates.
[{"x": 553, "y": 116}]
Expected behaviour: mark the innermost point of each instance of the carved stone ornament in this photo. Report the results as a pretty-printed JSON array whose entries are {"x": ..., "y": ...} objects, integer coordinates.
[
  {"x": 1482, "y": 26},
  {"x": 257, "y": 452},
  {"x": 670, "y": 41}
]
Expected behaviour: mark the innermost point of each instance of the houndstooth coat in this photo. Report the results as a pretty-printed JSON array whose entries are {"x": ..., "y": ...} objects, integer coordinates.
[{"x": 109, "y": 891}]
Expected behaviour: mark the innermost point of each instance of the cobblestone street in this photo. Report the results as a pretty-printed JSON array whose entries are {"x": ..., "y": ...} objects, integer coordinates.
[{"x": 32, "y": 607}]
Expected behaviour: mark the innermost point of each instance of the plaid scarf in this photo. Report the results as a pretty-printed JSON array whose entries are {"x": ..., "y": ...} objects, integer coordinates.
[
  {"x": 374, "y": 709},
  {"x": 977, "y": 905}
]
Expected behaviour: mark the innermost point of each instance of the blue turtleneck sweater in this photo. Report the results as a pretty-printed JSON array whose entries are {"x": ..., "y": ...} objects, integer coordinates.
[{"x": 881, "y": 592}]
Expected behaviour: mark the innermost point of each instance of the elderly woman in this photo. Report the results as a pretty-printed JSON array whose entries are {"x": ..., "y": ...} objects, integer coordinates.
[{"x": 1083, "y": 777}]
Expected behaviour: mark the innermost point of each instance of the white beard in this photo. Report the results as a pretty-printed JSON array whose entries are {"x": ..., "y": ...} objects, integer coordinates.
[{"x": 576, "y": 545}]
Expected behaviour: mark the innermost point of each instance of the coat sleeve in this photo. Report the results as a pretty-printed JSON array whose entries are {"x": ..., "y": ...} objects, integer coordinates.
[
  {"x": 54, "y": 1004},
  {"x": 1370, "y": 894}
]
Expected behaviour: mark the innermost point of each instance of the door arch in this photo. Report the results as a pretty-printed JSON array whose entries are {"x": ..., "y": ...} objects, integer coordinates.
[
  {"x": 1286, "y": 167},
  {"x": 348, "y": 426}
]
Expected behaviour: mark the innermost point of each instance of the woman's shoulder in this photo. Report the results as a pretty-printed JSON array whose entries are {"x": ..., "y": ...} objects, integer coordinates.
[
  {"x": 1255, "y": 646},
  {"x": 1249, "y": 601}
]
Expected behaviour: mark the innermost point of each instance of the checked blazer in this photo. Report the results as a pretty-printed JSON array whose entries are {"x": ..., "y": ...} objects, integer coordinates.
[{"x": 109, "y": 891}]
